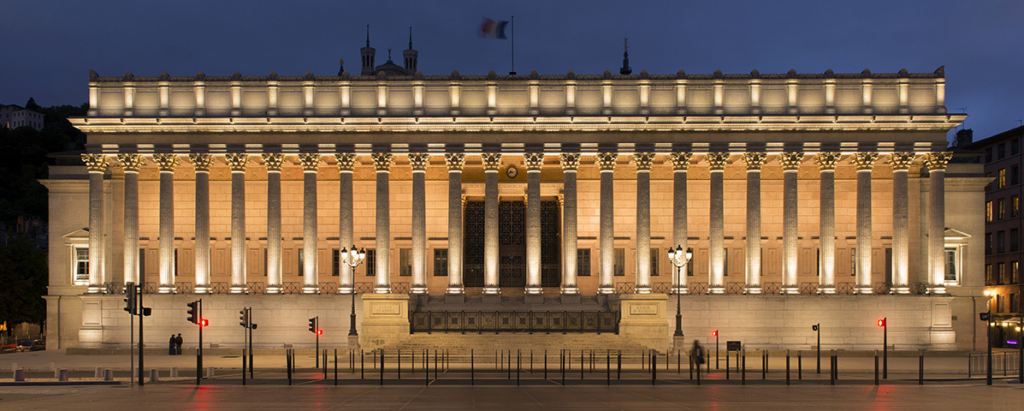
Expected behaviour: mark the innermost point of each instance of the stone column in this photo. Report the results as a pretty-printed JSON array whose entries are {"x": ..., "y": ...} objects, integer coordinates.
[
  {"x": 273, "y": 162},
  {"x": 237, "y": 163},
  {"x": 754, "y": 162},
  {"x": 382, "y": 162},
  {"x": 900, "y": 221},
  {"x": 97, "y": 165},
  {"x": 419, "y": 162},
  {"x": 680, "y": 164},
  {"x": 455, "y": 163},
  {"x": 717, "y": 161},
  {"x": 607, "y": 162},
  {"x": 310, "y": 282},
  {"x": 864, "y": 162},
  {"x": 131, "y": 163},
  {"x": 790, "y": 221},
  {"x": 492, "y": 162},
  {"x": 570, "y": 163},
  {"x": 534, "y": 163},
  {"x": 166, "y": 162},
  {"x": 643, "y": 162},
  {"x": 936, "y": 162},
  {"x": 346, "y": 167},
  {"x": 827, "y": 163},
  {"x": 202, "y": 162}
]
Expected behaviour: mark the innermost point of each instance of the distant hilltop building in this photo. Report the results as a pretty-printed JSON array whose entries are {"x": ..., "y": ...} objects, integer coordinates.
[
  {"x": 14, "y": 116},
  {"x": 521, "y": 203}
]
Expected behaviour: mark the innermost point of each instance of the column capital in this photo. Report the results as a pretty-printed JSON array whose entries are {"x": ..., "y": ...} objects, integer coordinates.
[
  {"x": 680, "y": 160},
  {"x": 455, "y": 161},
  {"x": 827, "y": 160},
  {"x": 492, "y": 161},
  {"x": 533, "y": 161},
  {"x": 237, "y": 161},
  {"x": 569, "y": 161},
  {"x": 166, "y": 162},
  {"x": 309, "y": 161},
  {"x": 383, "y": 161},
  {"x": 937, "y": 160},
  {"x": 96, "y": 163},
  {"x": 607, "y": 161},
  {"x": 130, "y": 162},
  {"x": 901, "y": 160},
  {"x": 201, "y": 162},
  {"x": 717, "y": 160},
  {"x": 346, "y": 161},
  {"x": 273, "y": 161},
  {"x": 754, "y": 160},
  {"x": 465, "y": 199},
  {"x": 864, "y": 161},
  {"x": 419, "y": 161},
  {"x": 643, "y": 161},
  {"x": 791, "y": 160},
  {"x": 561, "y": 200}
]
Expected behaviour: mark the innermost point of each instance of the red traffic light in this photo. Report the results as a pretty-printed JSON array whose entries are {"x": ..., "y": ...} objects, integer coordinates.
[
  {"x": 319, "y": 332},
  {"x": 204, "y": 322},
  {"x": 714, "y": 333},
  {"x": 881, "y": 323}
]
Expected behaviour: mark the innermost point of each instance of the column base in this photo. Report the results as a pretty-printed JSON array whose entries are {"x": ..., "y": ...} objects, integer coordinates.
[
  {"x": 202, "y": 289},
  {"x": 455, "y": 289},
  {"x": 237, "y": 289},
  {"x": 534, "y": 290},
  {"x": 166, "y": 289},
  {"x": 826, "y": 289},
  {"x": 310, "y": 289},
  {"x": 353, "y": 342},
  {"x": 419, "y": 289},
  {"x": 752, "y": 289},
  {"x": 492, "y": 290},
  {"x": 900, "y": 289},
  {"x": 606, "y": 289},
  {"x": 680, "y": 290},
  {"x": 864, "y": 289},
  {"x": 937, "y": 289},
  {"x": 791, "y": 290},
  {"x": 345, "y": 289},
  {"x": 95, "y": 289},
  {"x": 382, "y": 289},
  {"x": 716, "y": 289},
  {"x": 570, "y": 290},
  {"x": 274, "y": 289}
]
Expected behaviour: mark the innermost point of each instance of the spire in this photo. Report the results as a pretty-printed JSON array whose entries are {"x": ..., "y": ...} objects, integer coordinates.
[
  {"x": 389, "y": 53},
  {"x": 410, "y": 57},
  {"x": 367, "y": 36},
  {"x": 368, "y": 55},
  {"x": 410, "y": 38},
  {"x": 625, "y": 59}
]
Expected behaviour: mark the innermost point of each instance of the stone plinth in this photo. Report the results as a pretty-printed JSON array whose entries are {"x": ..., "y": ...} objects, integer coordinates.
[
  {"x": 385, "y": 320},
  {"x": 643, "y": 320}
]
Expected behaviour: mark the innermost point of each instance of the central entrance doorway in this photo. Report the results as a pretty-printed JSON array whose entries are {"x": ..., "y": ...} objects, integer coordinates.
[{"x": 512, "y": 244}]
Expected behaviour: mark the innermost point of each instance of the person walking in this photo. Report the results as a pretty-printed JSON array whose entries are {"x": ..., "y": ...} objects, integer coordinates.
[
  {"x": 697, "y": 354},
  {"x": 177, "y": 342},
  {"x": 171, "y": 349}
]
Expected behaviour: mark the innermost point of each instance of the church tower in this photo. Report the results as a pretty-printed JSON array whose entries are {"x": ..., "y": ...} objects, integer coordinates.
[
  {"x": 411, "y": 56},
  {"x": 625, "y": 69},
  {"x": 368, "y": 54}
]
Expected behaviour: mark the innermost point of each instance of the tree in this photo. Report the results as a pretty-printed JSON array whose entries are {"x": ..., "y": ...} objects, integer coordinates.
[{"x": 23, "y": 272}]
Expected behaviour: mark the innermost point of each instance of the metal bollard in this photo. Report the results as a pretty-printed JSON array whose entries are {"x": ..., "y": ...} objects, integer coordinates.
[
  {"x": 876, "y": 367},
  {"x": 335, "y": 366},
  {"x": 288, "y": 364},
  {"x": 743, "y": 372},
  {"x": 174, "y": 372},
  {"x": 920, "y": 369},
  {"x": 154, "y": 375},
  {"x": 472, "y": 370},
  {"x": 787, "y": 367},
  {"x": 727, "y": 366},
  {"x": 98, "y": 374},
  {"x": 108, "y": 375},
  {"x": 764, "y": 365},
  {"x": 654, "y": 368},
  {"x": 209, "y": 372},
  {"x": 19, "y": 374},
  {"x": 381, "y": 366},
  {"x": 362, "y": 364},
  {"x": 618, "y": 375},
  {"x": 608, "y": 354},
  {"x": 799, "y": 366}
]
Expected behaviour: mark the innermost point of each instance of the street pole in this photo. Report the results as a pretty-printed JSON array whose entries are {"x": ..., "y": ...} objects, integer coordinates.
[
  {"x": 988, "y": 326},
  {"x": 131, "y": 334},
  {"x": 716, "y": 350},
  {"x": 142, "y": 345},
  {"x": 818, "y": 329},
  {"x": 885, "y": 348},
  {"x": 352, "y": 317},
  {"x": 199, "y": 351},
  {"x": 251, "y": 372}
]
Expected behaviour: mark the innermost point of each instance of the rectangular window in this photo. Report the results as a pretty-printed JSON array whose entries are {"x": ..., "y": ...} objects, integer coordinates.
[
  {"x": 988, "y": 275},
  {"x": 952, "y": 267},
  {"x": 1014, "y": 147},
  {"x": 1014, "y": 175},
  {"x": 1001, "y": 151},
  {"x": 81, "y": 265},
  {"x": 1000, "y": 303},
  {"x": 689, "y": 267},
  {"x": 440, "y": 262},
  {"x": 1014, "y": 206},
  {"x": 371, "y": 262},
  {"x": 989, "y": 212},
  {"x": 1001, "y": 273},
  {"x": 142, "y": 264},
  {"x": 654, "y": 263},
  {"x": 1000, "y": 241},
  {"x": 988, "y": 155},
  {"x": 988, "y": 243},
  {"x": 1001, "y": 209},
  {"x": 1015, "y": 303},
  {"x": 301, "y": 262},
  {"x": 335, "y": 262},
  {"x": 1014, "y": 240},
  {"x": 175, "y": 262},
  {"x": 853, "y": 262},
  {"x": 1001, "y": 178},
  {"x": 583, "y": 262},
  {"x": 725, "y": 262},
  {"x": 817, "y": 262},
  {"x": 1015, "y": 272},
  {"x": 405, "y": 262},
  {"x": 265, "y": 266},
  {"x": 620, "y": 262}
]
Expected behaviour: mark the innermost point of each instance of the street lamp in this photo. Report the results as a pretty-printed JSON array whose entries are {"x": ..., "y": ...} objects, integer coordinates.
[
  {"x": 353, "y": 258},
  {"x": 679, "y": 259},
  {"x": 989, "y": 324}
]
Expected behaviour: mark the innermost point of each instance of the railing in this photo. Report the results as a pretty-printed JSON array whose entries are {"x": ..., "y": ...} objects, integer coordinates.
[
  {"x": 846, "y": 288},
  {"x": 661, "y": 288},
  {"x": 1003, "y": 363},
  {"x": 808, "y": 288},
  {"x": 363, "y": 288},
  {"x": 291, "y": 288},
  {"x": 772, "y": 288},
  {"x": 882, "y": 288},
  {"x": 514, "y": 321},
  {"x": 113, "y": 288},
  {"x": 697, "y": 288},
  {"x": 255, "y": 288},
  {"x": 735, "y": 288},
  {"x": 328, "y": 288},
  {"x": 400, "y": 288},
  {"x": 184, "y": 288},
  {"x": 220, "y": 288}
]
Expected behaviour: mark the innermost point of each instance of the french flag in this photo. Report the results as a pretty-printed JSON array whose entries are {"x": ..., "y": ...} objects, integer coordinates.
[{"x": 491, "y": 29}]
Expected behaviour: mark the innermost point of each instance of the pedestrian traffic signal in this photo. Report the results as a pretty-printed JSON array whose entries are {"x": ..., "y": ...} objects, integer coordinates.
[
  {"x": 814, "y": 327},
  {"x": 881, "y": 323},
  {"x": 204, "y": 322},
  {"x": 193, "y": 313},
  {"x": 243, "y": 318},
  {"x": 714, "y": 333},
  {"x": 131, "y": 299},
  {"x": 312, "y": 326},
  {"x": 319, "y": 332}
]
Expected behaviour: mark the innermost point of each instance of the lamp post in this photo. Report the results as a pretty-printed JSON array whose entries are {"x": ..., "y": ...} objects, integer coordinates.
[
  {"x": 353, "y": 258},
  {"x": 988, "y": 328},
  {"x": 679, "y": 259}
]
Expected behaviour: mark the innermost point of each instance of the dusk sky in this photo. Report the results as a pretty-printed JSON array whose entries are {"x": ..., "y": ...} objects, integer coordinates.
[{"x": 49, "y": 46}]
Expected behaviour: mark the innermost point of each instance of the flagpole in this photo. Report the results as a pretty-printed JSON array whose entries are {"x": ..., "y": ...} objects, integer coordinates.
[{"x": 513, "y": 26}]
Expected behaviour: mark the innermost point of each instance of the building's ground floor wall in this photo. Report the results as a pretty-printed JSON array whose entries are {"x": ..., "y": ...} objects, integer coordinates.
[{"x": 773, "y": 322}]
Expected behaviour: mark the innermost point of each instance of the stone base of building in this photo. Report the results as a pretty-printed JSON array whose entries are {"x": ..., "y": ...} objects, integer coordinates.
[{"x": 385, "y": 320}]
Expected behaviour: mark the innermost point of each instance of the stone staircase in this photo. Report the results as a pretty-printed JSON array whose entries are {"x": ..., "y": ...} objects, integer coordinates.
[{"x": 489, "y": 342}]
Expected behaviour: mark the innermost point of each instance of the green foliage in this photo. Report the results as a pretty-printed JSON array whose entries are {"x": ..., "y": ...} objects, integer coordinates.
[{"x": 23, "y": 272}]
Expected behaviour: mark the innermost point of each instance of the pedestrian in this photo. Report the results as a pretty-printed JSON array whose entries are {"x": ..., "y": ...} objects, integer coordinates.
[
  {"x": 178, "y": 341},
  {"x": 171, "y": 349},
  {"x": 697, "y": 354}
]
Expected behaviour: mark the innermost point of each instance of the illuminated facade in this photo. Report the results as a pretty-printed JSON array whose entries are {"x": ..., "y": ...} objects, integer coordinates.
[{"x": 810, "y": 194}]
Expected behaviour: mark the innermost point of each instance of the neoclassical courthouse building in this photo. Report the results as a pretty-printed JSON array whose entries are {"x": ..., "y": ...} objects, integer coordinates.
[{"x": 806, "y": 198}]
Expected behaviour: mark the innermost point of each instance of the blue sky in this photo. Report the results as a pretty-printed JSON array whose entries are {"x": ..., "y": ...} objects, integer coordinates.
[{"x": 49, "y": 46}]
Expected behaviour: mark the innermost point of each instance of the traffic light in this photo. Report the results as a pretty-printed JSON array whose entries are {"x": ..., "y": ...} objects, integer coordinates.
[
  {"x": 131, "y": 299},
  {"x": 319, "y": 332},
  {"x": 312, "y": 326},
  {"x": 714, "y": 333},
  {"x": 243, "y": 318},
  {"x": 204, "y": 322},
  {"x": 814, "y": 327},
  {"x": 193, "y": 313},
  {"x": 881, "y": 323}
]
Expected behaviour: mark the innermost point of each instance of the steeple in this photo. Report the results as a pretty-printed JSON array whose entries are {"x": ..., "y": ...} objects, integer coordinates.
[
  {"x": 410, "y": 56},
  {"x": 625, "y": 69},
  {"x": 368, "y": 53}
]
